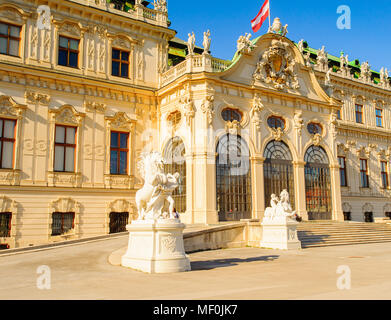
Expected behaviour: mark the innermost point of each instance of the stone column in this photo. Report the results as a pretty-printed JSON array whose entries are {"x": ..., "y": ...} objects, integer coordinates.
[
  {"x": 258, "y": 191},
  {"x": 299, "y": 183},
  {"x": 337, "y": 213},
  {"x": 188, "y": 217},
  {"x": 205, "y": 192}
]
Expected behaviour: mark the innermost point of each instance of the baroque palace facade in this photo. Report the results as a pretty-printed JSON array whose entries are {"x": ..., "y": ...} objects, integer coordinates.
[{"x": 80, "y": 102}]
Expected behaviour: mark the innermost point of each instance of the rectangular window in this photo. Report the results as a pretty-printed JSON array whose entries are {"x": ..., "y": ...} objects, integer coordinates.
[
  {"x": 384, "y": 174},
  {"x": 119, "y": 153},
  {"x": 7, "y": 143},
  {"x": 5, "y": 224},
  {"x": 364, "y": 173},
  {"x": 62, "y": 222},
  {"x": 120, "y": 63},
  {"x": 359, "y": 113},
  {"x": 9, "y": 39},
  {"x": 64, "y": 149},
  {"x": 118, "y": 221},
  {"x": 342, "y": 171},
  {"x": 68, "y": 52},
  {"x": 339, "y": 114},
  {"x": 379, "y": 117}
]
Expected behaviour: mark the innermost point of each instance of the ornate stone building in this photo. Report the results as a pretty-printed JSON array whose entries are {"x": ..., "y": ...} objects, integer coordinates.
[{"x": 81, "y": 100}]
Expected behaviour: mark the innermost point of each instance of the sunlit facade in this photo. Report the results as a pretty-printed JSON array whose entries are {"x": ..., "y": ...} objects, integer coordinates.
[{"x": 80, "y": 102}]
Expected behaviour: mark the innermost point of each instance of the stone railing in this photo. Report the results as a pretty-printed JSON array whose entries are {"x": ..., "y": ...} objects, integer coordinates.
[
  {"x": 139, "y": 12},
  {"x": 219, "y": 65},
  {"x": 345, "y": 73},
  {"x": 194, "y": 64}
]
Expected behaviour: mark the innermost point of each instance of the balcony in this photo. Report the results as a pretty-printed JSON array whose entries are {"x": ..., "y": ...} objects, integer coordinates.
[
  {"x": 131, "y": 10},
  {"x": 194, "y": 64}
]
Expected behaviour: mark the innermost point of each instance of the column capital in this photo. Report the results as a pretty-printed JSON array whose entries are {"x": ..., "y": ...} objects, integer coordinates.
[
  {"x": 259, "y": 160},
  {"x": 299, "y": 163}
]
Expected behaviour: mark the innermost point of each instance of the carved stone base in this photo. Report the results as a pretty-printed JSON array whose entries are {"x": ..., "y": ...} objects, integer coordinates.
[
  {"x": 280, "y": 233},
  {"x": 156, "y": 247}
]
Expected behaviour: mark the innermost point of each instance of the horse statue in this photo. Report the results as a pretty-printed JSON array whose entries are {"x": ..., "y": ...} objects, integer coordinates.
[{"x": 158, "y": 188}]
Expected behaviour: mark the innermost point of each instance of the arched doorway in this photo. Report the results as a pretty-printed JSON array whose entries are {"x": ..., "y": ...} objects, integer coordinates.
[
  {"x": 233, "y": 179},
  {"x": 317, "y": 184},
  {"x": 278, "y": 171},
  {"x": 174, "y": 155}
]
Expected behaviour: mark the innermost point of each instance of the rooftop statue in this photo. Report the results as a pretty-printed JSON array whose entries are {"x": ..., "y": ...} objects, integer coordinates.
[
  {"x": 160, "y": 5},
  {"x": 383, "y": 75},
  {"x": 158, "y": 188},
  {"x": 365, "y": 71},
  {"x": 279, "y": 208},
  {"x": 244, "y": 44},
  {"x": 207, "y": 41},
  {"x": 300, "y": 45},
  {"x": 191, "y": 43},
  {"x": 277, "y": 27}
]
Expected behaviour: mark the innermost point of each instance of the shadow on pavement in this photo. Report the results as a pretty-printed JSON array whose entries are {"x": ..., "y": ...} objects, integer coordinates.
[{"x": 221, "y": 263}]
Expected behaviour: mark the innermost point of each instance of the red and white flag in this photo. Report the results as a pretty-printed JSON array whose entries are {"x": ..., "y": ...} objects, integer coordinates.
[{"x": 256, "y": 24}]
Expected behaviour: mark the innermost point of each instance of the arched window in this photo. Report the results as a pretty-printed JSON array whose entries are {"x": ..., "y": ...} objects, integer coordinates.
[
  {"x": 233, "y": 179},
  {"x": 276, "y": 122},
  {"x": 174, "y": 155},
  {"x": 317, "y": 184},
  {"x": 278, "y": 171},
  {"x": 229, "y": 114}
]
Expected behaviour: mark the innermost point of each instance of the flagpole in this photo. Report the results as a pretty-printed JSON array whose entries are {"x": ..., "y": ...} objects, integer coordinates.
[{"x": 270, "y": 13}]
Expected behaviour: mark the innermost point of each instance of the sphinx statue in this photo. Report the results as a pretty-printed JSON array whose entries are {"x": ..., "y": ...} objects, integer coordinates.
[{"x": 280, "y": 207}]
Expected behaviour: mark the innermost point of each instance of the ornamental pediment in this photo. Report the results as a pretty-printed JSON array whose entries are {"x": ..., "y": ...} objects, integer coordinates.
[{"x": 275, "y": 63}]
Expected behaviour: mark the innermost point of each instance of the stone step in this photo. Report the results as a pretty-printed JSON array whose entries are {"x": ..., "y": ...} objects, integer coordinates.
[
  {"x": 344, "y": 243},
  {"x": 322, "y": 234}
]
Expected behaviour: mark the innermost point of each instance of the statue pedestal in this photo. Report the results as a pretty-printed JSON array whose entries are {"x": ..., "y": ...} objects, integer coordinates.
[
  {"x": 280, "y": 233},
  {"x": 156, "y": 246}
]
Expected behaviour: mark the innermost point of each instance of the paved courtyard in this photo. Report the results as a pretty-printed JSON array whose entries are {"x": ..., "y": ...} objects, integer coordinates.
[{"x": 83, "y": 272}]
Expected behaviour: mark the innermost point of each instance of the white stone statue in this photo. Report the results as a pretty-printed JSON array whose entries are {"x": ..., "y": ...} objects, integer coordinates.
[
  {"x": 206, "y": 42},
  {"x": 365, "y": 71},
  {"x": 322, "y": 60},
  {"x": 279, "y": 228},
  {"x": 280, "y": 208},
  {"x": 276, "y": 26},
  {"x": 300, "y": 45},
  {"x": 328, "y": 77},
  {"x": 160, "y": 5},
  {"x": 191, "y": 43},
  {"x": 156, "y": 239},
  {"x": 158, "y": 188},
  {"x": 244, "y": 44}
]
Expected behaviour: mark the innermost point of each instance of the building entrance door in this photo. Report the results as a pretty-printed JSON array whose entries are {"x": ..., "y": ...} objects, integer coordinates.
[{"x": 318, "y": 184}]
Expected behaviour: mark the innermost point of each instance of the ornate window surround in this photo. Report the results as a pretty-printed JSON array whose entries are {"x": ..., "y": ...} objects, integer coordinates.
[
  {"x": 72, "y": 30},
  {"x": 65, "y": 115},
  {"x": 14, "y": 15},
  {"x": 64, "y": 205},
  {"x": 122, "y": 123},
  {"x": 8, "y": 205},
  {"x": 9, "y": 109},
  {"x": 119, "y": 205},
  {"x": 125, "y": 43}
]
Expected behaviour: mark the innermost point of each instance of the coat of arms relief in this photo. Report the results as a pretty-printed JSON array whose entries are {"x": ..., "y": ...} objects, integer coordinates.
[{"x": 277, "y": 67}]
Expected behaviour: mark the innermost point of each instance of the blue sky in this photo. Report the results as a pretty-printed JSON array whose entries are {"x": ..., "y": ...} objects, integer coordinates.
[{"x": 315, "y": 21}]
